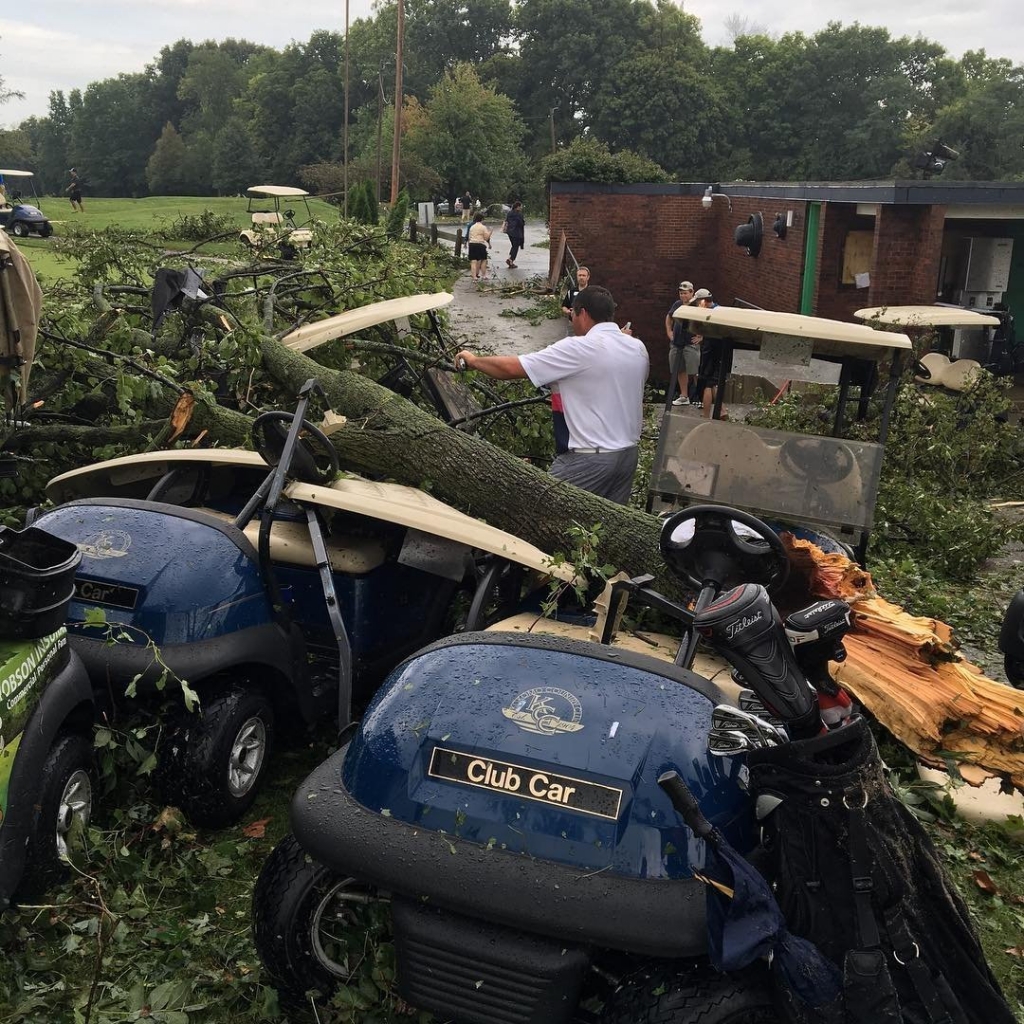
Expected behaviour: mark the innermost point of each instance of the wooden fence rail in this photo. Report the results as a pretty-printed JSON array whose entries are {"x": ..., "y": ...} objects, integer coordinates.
[{"x": 455, "y": 236}]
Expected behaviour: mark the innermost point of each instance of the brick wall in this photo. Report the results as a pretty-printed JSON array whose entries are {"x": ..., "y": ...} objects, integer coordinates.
[
  {"x": 772, "y": 279},
  {"x": 639, "y": 244},
  {"x": 907, "y": 251},
  {"x": 640, "y": 241},
  {"x": 832, "y": 298}
]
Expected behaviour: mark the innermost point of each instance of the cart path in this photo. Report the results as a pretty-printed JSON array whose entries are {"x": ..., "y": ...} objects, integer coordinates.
[{"x": 476, "y": 319}]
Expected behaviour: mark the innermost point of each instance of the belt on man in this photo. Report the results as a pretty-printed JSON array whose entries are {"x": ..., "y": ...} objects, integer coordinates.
[{"x": 599, "y": 451}]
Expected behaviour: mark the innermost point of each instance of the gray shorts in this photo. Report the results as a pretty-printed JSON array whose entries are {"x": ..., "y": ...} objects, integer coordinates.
[
  {"x": 608, "y": 474},
  {"x": 684, "y": 359}
]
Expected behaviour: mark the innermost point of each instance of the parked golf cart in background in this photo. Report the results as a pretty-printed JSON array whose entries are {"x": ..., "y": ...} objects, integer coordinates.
[
  {"x": 18, "y": 217},
  {"x": 960, "y": 341},
  {"x": 508, "y": 796},
  {"x": 281, "y": 594},
  {"x": 46, "y": 716},
  {"x": 824, "y": 487},
  {"x": 273, "y": 224}
]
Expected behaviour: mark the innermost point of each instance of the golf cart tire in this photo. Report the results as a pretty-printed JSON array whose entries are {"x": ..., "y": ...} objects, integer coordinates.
[
  {"x": 692, "y": 996},
  {"x": 46, "y": 230},
  {"x": 290, "y": 889},
  {"x": 196, "y": 758},
  {"x": 20, "y": 229},
  {"x": 70, "y": 754}
]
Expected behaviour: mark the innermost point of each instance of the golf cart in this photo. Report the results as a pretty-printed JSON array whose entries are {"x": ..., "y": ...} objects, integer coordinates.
[
  {"x": 825, "y": 484},
  {"x": 46, "y": 716},
  {"x": 959, "y": 334},
  {"x": 17, "y": 217},
  {"x": 282, "y": 593},
  {"x": 273, "y": 225},
  {"x": 510, "y": 797}
]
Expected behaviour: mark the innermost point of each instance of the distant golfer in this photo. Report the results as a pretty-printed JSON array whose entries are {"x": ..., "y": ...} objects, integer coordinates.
[{"x": 74, "y": 191}]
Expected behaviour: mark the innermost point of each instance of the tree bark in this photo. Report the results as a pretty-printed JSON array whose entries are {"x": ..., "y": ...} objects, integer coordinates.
[{"x": 385, "y": 434}]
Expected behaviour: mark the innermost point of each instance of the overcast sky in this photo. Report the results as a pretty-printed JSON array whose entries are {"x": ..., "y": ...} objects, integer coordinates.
[{"x": 66, "y": 44}]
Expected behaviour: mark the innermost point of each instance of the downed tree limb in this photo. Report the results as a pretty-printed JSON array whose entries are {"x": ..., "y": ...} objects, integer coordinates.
[{"x": 905, "y": 670}]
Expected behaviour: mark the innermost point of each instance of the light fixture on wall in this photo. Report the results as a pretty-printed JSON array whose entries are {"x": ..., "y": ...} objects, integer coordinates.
[{"x": 710, "y": 195}]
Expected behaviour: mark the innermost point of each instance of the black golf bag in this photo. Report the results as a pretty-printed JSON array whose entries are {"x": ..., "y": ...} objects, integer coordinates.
[{"x": 854, "y": 872}]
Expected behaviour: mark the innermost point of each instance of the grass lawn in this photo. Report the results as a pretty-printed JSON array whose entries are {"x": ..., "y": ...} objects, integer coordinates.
[{"x": 147, "y": 216}]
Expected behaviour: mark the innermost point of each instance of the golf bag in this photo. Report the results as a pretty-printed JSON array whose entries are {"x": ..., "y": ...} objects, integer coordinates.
[{"x": 854, "y": 872}]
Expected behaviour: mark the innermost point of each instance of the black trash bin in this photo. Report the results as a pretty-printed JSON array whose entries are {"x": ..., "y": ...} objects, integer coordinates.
[{"x": 37, "y": 574}]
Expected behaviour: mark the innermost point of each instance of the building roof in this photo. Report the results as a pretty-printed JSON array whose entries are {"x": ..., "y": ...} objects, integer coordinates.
[{"x": 889, "y": 192}]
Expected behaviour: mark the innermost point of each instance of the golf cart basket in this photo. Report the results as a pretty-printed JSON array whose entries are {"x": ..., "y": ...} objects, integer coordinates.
[{"x": 822, "y": 482}]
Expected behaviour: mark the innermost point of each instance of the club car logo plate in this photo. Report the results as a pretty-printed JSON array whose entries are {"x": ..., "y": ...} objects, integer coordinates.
[
  {"x": 548, "y": 710},
  {"x": 526, "y": 783},
  {"x": 97, "y": 592}
]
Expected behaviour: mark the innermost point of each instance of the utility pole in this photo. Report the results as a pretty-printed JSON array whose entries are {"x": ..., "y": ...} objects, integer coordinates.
[
  {"x": 552, "y": 117},
  {"x": 396, "y": 149},
  {"x": 380, "y": 119},
  {"x": 345, "y": 143}
]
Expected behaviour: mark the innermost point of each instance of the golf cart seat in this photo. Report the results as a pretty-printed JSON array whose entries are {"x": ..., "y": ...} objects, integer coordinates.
[
  {"x": 264, "y": 218},
  {"x": 290, "y": 544},
  {"x": 937, "y": 370}
]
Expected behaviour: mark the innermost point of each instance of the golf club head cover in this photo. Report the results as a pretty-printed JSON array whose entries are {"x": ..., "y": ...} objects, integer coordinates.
[
  {"x": 816, "y": 635},
  {"x": 743, "y": 626}
]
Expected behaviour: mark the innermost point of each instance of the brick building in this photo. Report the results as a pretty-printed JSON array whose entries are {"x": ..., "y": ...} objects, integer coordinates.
[{"x": 844, "y": 246}]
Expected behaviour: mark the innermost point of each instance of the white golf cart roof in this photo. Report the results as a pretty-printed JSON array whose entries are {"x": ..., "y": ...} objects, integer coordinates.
[
  {"x": 17, "y": 174},
  {"x": 927, "y": 316},
  {"x": 310, "y": 335},
  {"x": 392, "y": 503},
  {"x": 828, "y": 337},
  {"x": 277, "y": 191}
]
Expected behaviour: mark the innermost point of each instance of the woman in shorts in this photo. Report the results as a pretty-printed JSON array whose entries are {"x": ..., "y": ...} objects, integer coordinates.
[{"x": 479, "y": 241}]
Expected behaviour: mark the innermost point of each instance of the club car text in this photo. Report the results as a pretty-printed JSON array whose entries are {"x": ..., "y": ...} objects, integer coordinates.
[{"x": 526, "y": 783}]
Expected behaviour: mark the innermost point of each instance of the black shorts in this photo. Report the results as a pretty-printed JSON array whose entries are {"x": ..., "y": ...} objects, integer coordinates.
[
  {"x": 477, "y": 251},
  {"x": 76, "y": 196}
]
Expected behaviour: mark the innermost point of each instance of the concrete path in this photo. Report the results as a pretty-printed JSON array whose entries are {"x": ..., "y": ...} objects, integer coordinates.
[{"x": 476, "y": 312}]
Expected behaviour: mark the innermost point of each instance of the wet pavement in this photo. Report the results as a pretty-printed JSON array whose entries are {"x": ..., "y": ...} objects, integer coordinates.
[{"x": 476, "y": 314}]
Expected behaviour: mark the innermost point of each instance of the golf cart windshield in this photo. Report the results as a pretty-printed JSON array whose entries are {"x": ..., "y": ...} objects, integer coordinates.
[{"x": 802, "y": 478}]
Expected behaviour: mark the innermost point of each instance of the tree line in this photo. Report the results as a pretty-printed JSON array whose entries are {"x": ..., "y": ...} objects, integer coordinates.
[{"x": 491, "y": 88}]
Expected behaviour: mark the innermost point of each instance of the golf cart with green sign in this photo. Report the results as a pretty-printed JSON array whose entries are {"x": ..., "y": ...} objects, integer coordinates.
[
  {"x": 820, "y": 487},
  {"x": 46, "y": 716}
]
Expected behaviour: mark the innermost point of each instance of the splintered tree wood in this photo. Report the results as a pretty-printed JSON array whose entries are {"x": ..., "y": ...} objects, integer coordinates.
[{"x": 906, "y": 671}]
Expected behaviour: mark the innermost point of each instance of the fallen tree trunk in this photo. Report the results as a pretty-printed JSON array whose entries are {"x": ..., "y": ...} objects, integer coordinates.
[{"x": 906, "y": 671}]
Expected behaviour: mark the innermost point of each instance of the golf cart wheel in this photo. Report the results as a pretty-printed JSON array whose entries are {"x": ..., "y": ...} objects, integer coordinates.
[
  {"x": 46, "y": 230},
  {"x": 309, "y": 923},
  {"x": 63, "y": 808},
  {"x": 697, "y": 996},
  {"x": 20, "y": 229},
  {"x": 213, "y": 764}
]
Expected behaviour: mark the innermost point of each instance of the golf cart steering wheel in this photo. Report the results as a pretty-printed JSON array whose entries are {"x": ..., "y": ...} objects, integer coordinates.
[
  {"x": 809, "y": 458},
  {"x": 716, "y": 544},
  {"x": 312, "y": 448}
]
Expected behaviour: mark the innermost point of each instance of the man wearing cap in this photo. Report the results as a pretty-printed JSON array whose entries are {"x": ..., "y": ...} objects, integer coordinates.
[
  {"x": 683, "y": 355},
  {"x": 601, "y": 373},
  {"x": 710, "y": 356}
]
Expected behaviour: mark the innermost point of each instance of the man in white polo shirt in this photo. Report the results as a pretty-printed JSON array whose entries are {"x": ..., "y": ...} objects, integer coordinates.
[{"x": 600, "y": 373}]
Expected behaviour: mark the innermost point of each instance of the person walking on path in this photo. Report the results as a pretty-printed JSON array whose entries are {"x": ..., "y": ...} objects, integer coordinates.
[
  {"x": 74, "y": 191},
  {"x": 683, "y": 354},
  {"x": 601, "y": 373},
  {"x": 515, "y": 228},
  {"x": 479, "y": 242}
]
